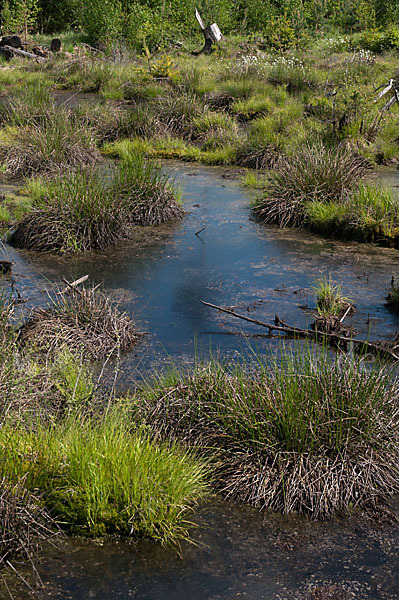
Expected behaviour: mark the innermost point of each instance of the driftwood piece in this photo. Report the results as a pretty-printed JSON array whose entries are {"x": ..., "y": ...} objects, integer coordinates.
[
  {"x": 279, "y": 325},
  {"x": 392, "y": 86},
  {"x": 24, "y": 54},
  {"x": 72, "y": 286}
]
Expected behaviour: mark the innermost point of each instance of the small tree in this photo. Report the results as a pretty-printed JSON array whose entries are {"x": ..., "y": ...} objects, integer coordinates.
[{"x": 19, "y": 16}]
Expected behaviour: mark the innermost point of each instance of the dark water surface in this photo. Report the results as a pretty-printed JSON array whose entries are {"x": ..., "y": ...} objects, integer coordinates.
[
  {"x": 160, "y": 279},
  {"x": 239, "y": 553}
]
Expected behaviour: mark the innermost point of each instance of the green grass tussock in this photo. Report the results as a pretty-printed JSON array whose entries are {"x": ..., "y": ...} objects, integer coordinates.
[
  {"x": 311, "y": 434},
  {"x": 330, "y": 301},
  {"x": 65, "y": 460},
  {"x": 48, "y": 148},
  {"x": 98, "y": 476},
  {"x": 370, "y": 214},
  {"x": 314, "y": 174},
  {"x": 85, "y": 212}
]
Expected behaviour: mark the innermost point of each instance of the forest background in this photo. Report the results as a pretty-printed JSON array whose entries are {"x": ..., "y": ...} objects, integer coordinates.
[{"x": 154, "y": 23}]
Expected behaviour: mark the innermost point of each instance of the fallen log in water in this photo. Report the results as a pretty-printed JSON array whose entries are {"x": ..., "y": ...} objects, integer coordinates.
[{"x": 279, "y": 325}]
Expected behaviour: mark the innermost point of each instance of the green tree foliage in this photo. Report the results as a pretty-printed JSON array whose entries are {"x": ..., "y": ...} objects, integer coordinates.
[
  {"x": 154, "y": 23},
  {"x": 19, "y": 16}
]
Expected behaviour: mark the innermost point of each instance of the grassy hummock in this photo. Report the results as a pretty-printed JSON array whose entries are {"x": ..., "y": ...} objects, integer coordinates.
[
  {"x": 314, "y": 174},
  {"x": 53, "y": 145},
  {"x": 309, "y": 434},
  {"x": 85, "y": 212},
  {"x": 66, "y": 460}
]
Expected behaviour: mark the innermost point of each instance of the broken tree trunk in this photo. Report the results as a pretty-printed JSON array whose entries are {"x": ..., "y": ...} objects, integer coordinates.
[
  {"x": 311, "y": 334},
  {"x": 212, "y": 34}
]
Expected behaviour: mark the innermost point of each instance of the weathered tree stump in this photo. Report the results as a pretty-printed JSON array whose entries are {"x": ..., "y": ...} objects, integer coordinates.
[
  {"x": 55, "y": 45},
  {"x": 5, "y": 266}
]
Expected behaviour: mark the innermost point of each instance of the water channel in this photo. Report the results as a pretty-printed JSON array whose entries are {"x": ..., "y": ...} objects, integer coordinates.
[{"x": 218, "y": 254}]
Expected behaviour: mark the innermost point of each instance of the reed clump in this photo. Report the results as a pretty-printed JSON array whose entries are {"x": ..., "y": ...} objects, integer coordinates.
[
  {"x": 309, "y": 434},
  {"x": 73, "y": 214},
  {"x": 331, "y": 306},
  {"x": 85, "y": 321},
  {"x": 146, "y": 190},
  {"x": 313, "y": 174},
  {"x": 24, "y": 523}
]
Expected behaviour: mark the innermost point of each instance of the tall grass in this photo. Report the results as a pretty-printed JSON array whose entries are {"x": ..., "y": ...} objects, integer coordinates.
[
  {"x": 330, "y": 301},
  {"x": 31, "y": 104},
  {"x": 308, "y": 434},
  {"x": 73, "y": 214},
  {"x": 147, "y": 191},
  {"x": 98, "y": 476},
  {"x": 369, "y": 214}
]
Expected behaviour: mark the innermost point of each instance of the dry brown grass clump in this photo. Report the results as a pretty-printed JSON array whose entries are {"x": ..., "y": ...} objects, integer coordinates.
[
  {"x": 24, "y": 524},
  {"x": 86, "y": 322},
  {"x": 307, "y": 435},
  {"x": 314, "y": 173}
]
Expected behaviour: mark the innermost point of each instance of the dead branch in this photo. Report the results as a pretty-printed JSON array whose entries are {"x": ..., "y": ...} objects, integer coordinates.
[
  {"x": 372, "y": 347},
  {"x": 72, "y": 286}
]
